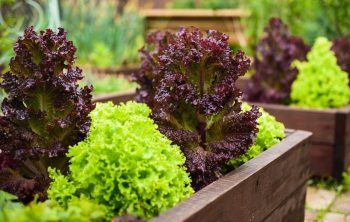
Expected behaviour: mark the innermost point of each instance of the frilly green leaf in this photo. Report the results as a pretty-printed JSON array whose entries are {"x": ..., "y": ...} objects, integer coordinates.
[
  {"x": 270, "y": 133},
  {"x": 320, "y": 83},
  {"x": 125, "y": 164}
]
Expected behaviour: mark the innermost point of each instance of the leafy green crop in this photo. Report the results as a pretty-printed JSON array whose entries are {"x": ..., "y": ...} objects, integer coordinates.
[
  {"x": 78, "y": 210},
  {"x": 270, "y": 132},
  {"x": 125, "y": 164},
  {"x": 320, "y": 83}
]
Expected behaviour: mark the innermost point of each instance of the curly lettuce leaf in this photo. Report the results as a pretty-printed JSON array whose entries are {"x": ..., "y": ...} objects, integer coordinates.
[
  {"x": 44, "y": 112},
  {"x": 195, "y": 101},
  {"x": 125, "y": 164},
  {"x": 320, "y": 83}
]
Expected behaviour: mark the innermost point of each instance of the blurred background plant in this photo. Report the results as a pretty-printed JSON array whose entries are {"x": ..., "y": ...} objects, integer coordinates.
[
  {"x": 309, "y": 19},
  {"x": 106, "y": 33},
  {"x": 109, "y": 33},
  {"x": 107, "y": 83}
]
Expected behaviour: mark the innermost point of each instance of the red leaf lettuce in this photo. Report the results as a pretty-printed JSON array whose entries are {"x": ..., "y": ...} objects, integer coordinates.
[
  {"x": 341, "y": 49},
  {"x": 44, "y": 113},
  {"x": 273, "y": 77},
  {"x": 191, "y": 89}
]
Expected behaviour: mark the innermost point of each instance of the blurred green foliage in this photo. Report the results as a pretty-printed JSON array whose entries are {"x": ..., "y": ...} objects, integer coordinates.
[
  {"x": 207, "y": 4},
  {"x": 309, "y": 19},
  {"x": 107, "y": 84},
  {"x": 102, "y": 36},
  {"x": 340, "y": 186}
]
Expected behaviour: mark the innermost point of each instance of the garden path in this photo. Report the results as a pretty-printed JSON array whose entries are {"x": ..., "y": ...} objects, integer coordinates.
[{"x": 324, "y": 205}]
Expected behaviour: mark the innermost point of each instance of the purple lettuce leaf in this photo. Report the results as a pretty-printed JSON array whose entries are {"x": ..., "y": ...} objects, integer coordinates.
[
  {"x": 195, "y": 101},
  {"x": 274, "y": 75},
  {"x": 44, "y": 113},
  {"x": 341, "y": 49}
]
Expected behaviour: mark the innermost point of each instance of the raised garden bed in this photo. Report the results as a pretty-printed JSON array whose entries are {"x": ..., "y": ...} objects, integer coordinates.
[
  {"x": 330, "y": 145},
  {"x": 123, "y": 70},
  {"x": 270, "y": 187},
  {"x": 225, "y": 20},
  {"x": 276, "y": 179},
  {"x": 116, "y": 97}
]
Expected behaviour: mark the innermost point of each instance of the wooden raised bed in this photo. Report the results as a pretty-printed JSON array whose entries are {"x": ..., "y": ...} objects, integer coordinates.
[
  {"x": 330, "y": 143},
  {"x": 227, "y": 21},
  {"x": 270, "y": 187},
  {"x": 123, "y": 70},
  {"x": 116, "y": 98}
]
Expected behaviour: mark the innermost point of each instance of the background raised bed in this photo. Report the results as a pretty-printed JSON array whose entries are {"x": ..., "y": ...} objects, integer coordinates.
[
  {"x": 226, "y": 20},
  {"x": 330, "y": 143}
]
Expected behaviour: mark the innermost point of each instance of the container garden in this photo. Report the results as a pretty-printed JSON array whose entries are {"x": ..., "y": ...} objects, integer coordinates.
[
  {"x": 330, "y": 145},
  {"x": 239, "y": 195},
  {"x": 270, "y": 187},
  {"x": 225, "y": 20},
  {"x": 106, "y": 160},
  {"x": 277, "y": 82}
]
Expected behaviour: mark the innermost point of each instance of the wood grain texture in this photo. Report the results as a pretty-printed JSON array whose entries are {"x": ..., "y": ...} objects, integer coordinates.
[
  {"x": 319, "y": 121},
  {"x": 292, "y": 210},
  {"x": 116, "y": 98},
  {"x": 259, "y": 189},
  {"x": 321, "y": 159},
  {"x": 193, "y": 13},
  {"x": 124, "y": 70}
]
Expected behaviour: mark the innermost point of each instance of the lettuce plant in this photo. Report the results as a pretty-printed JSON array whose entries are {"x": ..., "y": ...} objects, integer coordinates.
[
  {"x": 270, "y": 133},
  {"x": 79, "y": 210},
  {"x": 44, "y": 112},
  {"x": 194, "y": 99},
  {"x": 321, "y": 83},
  {"x": 341, "y": 49},
  {"x": 155, "y": 42},
  {"x": 274, "y": 74},
  {"x": 125, "y": 164}
]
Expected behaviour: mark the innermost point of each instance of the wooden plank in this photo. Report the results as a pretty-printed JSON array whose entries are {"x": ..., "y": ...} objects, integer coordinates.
[
  {"x": 223, "y": 25},
  {"x": 347, "y": 156},
  {"x": 293, "y": 209},
  {"x": 319, "y": 121},
  {"x": 254, "y": 190},
  {"x": 164, "y": 13},
  {"x": 116, "y": 98},
  {"x": 321, "y": 157},
  {"x": 153, "y": 3},
  {"x": 123, "y": 70},
  {"x": 340, "y": 145},
  {"x": 346, "y": 111},
  {"x": 347, "y": 138}
]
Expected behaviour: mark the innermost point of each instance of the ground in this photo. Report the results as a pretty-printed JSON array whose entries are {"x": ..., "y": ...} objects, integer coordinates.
[{"x": 327, "y": 206}]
